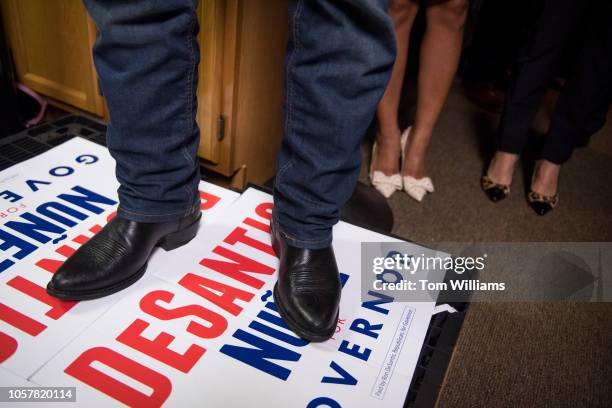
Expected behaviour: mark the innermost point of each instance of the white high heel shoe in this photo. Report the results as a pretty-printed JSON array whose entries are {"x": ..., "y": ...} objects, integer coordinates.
[
  {"x": 415, "y": 188},
  {"x": 386, "y": 185}
]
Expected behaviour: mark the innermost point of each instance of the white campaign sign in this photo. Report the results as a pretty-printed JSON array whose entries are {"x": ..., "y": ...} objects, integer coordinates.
[
  {"x": 201, "y": 328},
  {"x": 50, "y": 205}
]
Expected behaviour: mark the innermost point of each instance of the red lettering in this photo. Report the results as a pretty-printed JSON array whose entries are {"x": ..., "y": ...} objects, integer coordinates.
[
  {"x": 218, "y": 323},
  {"x": 208, "y": 200},
  {"x": 239, "y": 235},
  {"x": 8, "y": 346},
  {"x": 236, "y": 269},
  {"x": 65, "y": 250},
  {"x": 256, "y": 224},
  {"x": 80, "y": 239},
  {"x": 49, "y": 265},
  {"x": 158, "y": 347},
  {"x": 82, "y": 370},
  {"x": 97, "y": 228},
  {"x": 264, "y": 210},
  {"x": 58, "y": 307},
  {"x": 20, "y": 321},
  {"x": 199, "y": 285}
]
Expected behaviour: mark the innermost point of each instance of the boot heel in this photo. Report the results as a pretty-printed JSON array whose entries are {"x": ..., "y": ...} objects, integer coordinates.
[{"x": 179, "y": 238}]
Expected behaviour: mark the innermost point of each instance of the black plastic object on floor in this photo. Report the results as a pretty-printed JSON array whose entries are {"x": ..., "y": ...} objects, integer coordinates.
[
  {"x": 31, "y": 142},
  {"x": 435, "y": 357},
  {"x": 368, "y": 208}
]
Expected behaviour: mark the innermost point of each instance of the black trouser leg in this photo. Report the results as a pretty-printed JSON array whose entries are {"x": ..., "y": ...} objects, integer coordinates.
[
  {"x": 584, "y": 103},
  {"x": 535, "y": 66}
]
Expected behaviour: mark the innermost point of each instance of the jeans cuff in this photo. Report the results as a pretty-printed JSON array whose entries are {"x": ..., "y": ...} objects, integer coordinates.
[
  {"x": 143, "y": 216},
  {"x": 302, "y": 243}
]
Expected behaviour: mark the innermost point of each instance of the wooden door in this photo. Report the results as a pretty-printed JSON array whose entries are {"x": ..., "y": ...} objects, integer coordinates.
[
  {"x": 51, "y": 44},
  {"x": 211, "y": 15}
]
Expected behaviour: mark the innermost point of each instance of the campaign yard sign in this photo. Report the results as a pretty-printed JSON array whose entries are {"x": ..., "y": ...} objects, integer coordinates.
[
  {"x": 50, "y": 205},
  {"x": 201, "y": 328}
]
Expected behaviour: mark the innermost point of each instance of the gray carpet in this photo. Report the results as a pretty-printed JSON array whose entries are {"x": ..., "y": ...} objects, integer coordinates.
[{"x": 525, "y": 354}]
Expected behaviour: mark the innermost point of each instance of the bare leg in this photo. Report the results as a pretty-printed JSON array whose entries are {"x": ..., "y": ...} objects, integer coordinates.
[
  {"x": 546, "y": 178},
  {"x": 440, "y": 53},
  {"x": 501, "y": 167},
  {"x": 403, "y": 13}
]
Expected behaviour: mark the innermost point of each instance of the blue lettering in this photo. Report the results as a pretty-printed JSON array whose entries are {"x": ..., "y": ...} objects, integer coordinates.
[
  {"x": 323, "y": 402},
  {"x": 32, "y": 229},
  {"x": 345, "y": 378},
  {"x": 395, "y": 276},
  {"x": 85, "y": 200},
  {"x": 10, "y": 196},
  {"x": 61, "y": 171},
  {"x": 277, "y": 334},
  {"x": 364, "y": 327},
  {"x": 87, "y": 159},
  {"x": 373, "y": 304},
  {"x": 270, "y": 318},
  {"x": 5, "y": 264},
  {"x": 354, "y": 350},
  {"x": 8, "y": 241},
  {"x": 258, "y": 357},
  {"x": 45, "y": 209},
  {"x": 33, "y": 184}
]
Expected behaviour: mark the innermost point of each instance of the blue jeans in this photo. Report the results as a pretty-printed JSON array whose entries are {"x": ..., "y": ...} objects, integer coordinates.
[{"x": 339, "y": 59}]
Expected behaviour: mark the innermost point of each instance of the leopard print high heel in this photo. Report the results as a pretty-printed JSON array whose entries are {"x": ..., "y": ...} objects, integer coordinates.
[
  {"x": 495, "y": 191},
  {"x": 542, "y": 204}
]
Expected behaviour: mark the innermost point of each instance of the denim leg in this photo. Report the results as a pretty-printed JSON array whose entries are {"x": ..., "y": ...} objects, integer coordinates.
[
  {"x": 339, "y": 59},
  {"x": 146, "y": 56}
]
